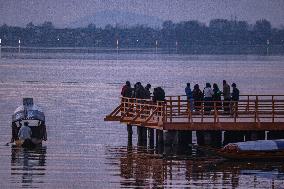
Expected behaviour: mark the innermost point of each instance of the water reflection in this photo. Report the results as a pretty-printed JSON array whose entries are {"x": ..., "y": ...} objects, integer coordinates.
[
  {"x": 142, "y": 167},
  {"x": 28, "y": 166}
]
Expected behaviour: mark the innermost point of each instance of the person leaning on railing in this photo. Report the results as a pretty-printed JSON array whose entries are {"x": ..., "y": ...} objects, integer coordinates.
[
  {"x": 227, "y": 97},
  {"x": 198, "y": 97},
  {"x": 126, "y": 92},
  {"x": 235, "y": 98},
  {"x": 208, "y": 94},
  {"x": 159, "y": 97},
  {"x": 189, "y": 95},
  {"x": 217, "y": 97},
  {"x": 158, "y": 94},
  {"x": 147, "y": 91}
]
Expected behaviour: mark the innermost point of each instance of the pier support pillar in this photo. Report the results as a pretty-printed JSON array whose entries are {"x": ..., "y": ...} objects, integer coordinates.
[
  {"x": 159, "y": 141},
  {"x": 184, "y": 138},
  {"x": 275, "y": 135},
  {"x": 151, "y": 137},
  {"x": 233, "y": 136},
  {"x": 142, "y": 136},
  {"x": 129, "y": 131},
  {"x": 200, "y": 138},
  {"x": 255, "y": 135},
  {"x": 170, "y": 137},
  {"x": 159, "y": 137}
]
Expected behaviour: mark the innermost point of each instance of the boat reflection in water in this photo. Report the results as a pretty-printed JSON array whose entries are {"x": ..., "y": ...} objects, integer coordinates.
[
  {"x": 28, "y": 166},
  {"x": 144, "y": 167}
]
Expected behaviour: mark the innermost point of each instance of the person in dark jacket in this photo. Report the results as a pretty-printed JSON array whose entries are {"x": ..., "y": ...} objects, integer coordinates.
[
  {"x": 217, "y": 96},
  {"x": 158, "y": 94},
  {"x": 126, "y": 90},
  {"x": 208, "y": 97},
  {"x": 227, "y": 97},
  {"x": 147, "y": 91},
  {"x": 235, "y": 97},
  {"x": 139, "y": 91},
  {"x": 189, "y": 95},
  {"x": 197, "y": 96}
]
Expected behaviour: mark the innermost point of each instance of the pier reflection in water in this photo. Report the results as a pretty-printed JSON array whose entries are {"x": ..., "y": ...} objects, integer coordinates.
[
  {"x": 28, "y": 166},
  {"x": 189, "y": 167}
]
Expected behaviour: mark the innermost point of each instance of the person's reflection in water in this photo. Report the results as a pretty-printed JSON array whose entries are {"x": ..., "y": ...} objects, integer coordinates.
[{"x": 29, "y": 164}]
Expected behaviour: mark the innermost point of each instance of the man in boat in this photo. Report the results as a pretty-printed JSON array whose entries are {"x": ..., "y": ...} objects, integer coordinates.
[{"x": 25, "y": 134}]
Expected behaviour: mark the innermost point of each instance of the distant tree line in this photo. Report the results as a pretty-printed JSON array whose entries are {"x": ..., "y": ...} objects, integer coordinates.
[{"x": 220, "y": 36}]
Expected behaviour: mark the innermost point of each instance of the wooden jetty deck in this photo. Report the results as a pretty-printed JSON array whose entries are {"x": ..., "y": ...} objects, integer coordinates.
[{"x": 250, "y": 113}]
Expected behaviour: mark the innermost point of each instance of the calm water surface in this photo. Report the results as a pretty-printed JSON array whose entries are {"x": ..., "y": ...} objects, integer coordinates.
[{"x": 83, "y": 151}]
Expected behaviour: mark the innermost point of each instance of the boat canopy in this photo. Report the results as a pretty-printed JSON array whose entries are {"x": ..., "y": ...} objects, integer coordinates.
[
  {"x": 28, "y": 111},
  {"x": 260, "y": 145}
]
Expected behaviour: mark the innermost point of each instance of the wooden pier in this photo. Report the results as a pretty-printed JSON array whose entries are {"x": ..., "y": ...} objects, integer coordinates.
[{"x": 252, "y": 113}]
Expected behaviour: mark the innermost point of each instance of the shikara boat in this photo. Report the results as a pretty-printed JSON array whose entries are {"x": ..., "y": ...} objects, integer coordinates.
[
  {"x": 32, "y": 115},
  {"x": 259, "y": 150}
]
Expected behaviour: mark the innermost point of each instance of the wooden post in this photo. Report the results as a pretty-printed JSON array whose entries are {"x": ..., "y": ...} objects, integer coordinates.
[
  {"x": 178, "y": 105},
  {"x": 165, "y": 108},
  {"x": 256, "y": 109},
  {"x": 247, "y": 108},
  {"x": 164, "y": 113},
  {"x": 215, "y": 112},
  {"x": 188, "y": 110},
  {"x": 142, "y": 136},
  {"x": 202, "y": 111},
  {"x": 171, "y": 109},
  {"x": 159, "y": 141},
  {"x": 235, "y": 111},
  {"x": 273, "y": 109},
  {"x": 160, "y": 137},
  {"x": 151, "y": 137},
  {"x": 129, "y": 131}
]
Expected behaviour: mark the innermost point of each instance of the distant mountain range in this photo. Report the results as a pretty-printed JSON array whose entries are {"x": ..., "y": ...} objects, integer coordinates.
[{"x": 101, "y": 19}]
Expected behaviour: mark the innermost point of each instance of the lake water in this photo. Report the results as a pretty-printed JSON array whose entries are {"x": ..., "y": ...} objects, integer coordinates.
[{"x": 77, "y": 91}]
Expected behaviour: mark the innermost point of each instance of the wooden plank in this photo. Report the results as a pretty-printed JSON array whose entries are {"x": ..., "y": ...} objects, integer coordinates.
[{"x": 112, "y": 118}]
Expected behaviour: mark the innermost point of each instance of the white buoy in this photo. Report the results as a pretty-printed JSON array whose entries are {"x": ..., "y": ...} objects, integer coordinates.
[
  {"x": 19, "y": 45},
  {"x": 156, "y": 46}
]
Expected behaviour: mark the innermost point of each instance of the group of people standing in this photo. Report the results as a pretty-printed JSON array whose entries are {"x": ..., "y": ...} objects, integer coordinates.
[
  {"x": 142, "y": 92},
  {"x": 196, "y": 97}
]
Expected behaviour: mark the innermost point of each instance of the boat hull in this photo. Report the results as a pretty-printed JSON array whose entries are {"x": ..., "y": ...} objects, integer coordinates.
[{"x": 246, "y": 155}]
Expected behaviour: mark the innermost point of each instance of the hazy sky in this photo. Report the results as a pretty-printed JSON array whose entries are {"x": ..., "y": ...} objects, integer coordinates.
[{"x": 64, "y": 12}]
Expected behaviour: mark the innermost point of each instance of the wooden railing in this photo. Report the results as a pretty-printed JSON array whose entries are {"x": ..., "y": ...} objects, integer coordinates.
[
  {"x": 250, "y": 108},
  {"x": 177, "y": 109}
]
